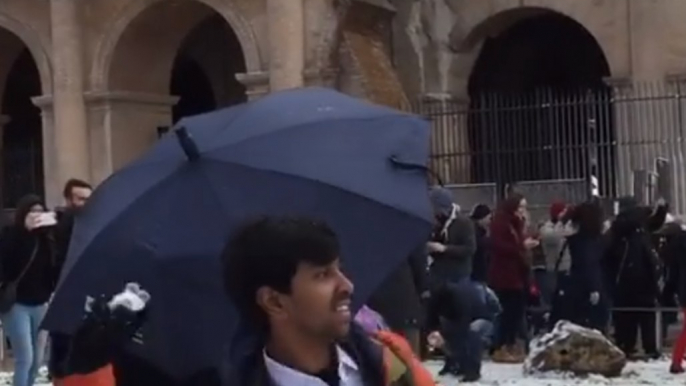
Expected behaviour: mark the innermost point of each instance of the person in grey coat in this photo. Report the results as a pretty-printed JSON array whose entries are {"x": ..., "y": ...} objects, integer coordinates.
[{"x": 453, "y": 242}]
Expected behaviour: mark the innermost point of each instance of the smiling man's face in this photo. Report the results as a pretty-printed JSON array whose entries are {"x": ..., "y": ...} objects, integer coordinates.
[{"x": 319, "y": 302}]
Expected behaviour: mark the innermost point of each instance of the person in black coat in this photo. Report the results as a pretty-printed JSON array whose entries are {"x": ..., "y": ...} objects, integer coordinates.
[
  {"x": 580, "y": 297},
  {"x": 481, "y": 215},
  {"x": 632, "y": 271},
  {"x": 29, "y": 265},
  {"x": 404, "y": 286}
]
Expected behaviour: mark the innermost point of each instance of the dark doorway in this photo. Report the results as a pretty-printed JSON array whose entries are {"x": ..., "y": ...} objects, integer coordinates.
[
  {"x": 539, "y": 106},
  {"x": 205, "y": 68},
  {"x": 22, "y": 155}
]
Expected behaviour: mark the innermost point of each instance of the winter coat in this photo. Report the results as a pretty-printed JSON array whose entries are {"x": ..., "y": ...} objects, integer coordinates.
[
  {"x": 96, "y": 355},
  {"x": 17, "y": 245},
  {"x": 403, "y": 286},
  {"x": 673, "y": 253},
  {"x": 384, "y": 359},
  {"x": 586, "y": 252},
  {"x": 459, "y": 237},
  {"x": 631, "y": 263},
  {"x": 465, "y": 301},
  {"x": 552, "y": 239},
  {"x": 509, "y": 268},
  {"x": 482, "y": 255}
]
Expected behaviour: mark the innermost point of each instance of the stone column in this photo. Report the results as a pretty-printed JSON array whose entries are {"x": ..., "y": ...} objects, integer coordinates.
[
  {"x": 124, "y": 127},
  {"x": 285, "y": 22},
  {"x": 70, "y": 130},
  {"x": 256, "y": 84}
]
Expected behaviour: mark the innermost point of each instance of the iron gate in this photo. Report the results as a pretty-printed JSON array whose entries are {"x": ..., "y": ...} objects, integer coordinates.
[{"x": 564, "y": 145}]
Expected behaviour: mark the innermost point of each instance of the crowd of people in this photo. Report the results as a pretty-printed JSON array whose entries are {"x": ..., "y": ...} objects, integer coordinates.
[
  {"x": 484, "y": 283},
  {"x": 606, "y": 272}
]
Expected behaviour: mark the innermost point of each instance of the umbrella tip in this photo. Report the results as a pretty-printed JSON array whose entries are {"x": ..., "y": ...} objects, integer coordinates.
[{"x": 187, "y": 144}]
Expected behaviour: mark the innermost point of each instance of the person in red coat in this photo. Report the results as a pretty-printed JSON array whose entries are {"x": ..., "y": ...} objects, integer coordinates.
[{"x": 508, "y": 271}]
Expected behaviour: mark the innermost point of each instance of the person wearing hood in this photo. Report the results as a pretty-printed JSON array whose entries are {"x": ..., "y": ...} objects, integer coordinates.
[
  {"x": 508, "y": 273},
  {"x": 453, "y": 241},
  {"x": 30, "y": 267},
  {"x": 632, "y": 271}
]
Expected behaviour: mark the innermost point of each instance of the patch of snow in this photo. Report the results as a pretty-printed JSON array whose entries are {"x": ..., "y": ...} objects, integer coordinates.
[{"x": 634, "y": 374}]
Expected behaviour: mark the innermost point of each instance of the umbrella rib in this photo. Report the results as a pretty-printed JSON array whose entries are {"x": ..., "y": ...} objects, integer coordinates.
[
  {"x": 121, "y": 212},
  {"x": 305, "y": 125},
  {"x": 350, "y": 192}
]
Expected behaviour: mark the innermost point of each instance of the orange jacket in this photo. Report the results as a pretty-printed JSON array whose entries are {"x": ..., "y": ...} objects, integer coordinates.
[{"x": 101, "y": 377}]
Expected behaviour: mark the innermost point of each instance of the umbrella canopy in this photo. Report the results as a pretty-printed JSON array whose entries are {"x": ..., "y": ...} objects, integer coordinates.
[{"x": 163, "y": 220}]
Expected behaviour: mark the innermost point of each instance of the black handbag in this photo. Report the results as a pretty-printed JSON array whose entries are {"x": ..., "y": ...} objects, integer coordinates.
[{"x": 8, "y": 291}]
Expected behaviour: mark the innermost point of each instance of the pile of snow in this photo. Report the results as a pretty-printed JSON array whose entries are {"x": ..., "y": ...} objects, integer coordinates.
[
  {"x": 635, "y": 373},
  {"x": 613, "y": 358}
]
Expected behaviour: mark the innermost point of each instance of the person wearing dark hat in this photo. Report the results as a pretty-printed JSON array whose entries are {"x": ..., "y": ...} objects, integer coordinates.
[{"x": 481, "y": 215}]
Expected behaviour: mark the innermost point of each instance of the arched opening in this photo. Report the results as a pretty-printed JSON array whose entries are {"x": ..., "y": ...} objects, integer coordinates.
[
  {"x": 171, "y": 60},
  {"x": 539, "y": 108},
  {"x": 205, "y": 68},
  {"x": 22, "y": 143}
]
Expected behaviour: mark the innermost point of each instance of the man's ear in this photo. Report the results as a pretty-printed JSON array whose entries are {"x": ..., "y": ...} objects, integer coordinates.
[{"x": 271, "y": 302}]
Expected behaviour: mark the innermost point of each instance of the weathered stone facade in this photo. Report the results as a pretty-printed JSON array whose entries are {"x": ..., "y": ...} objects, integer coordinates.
[{"x": 105, "y": 66}]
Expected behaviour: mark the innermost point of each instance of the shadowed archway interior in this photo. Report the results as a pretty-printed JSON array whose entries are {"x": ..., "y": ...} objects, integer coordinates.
[
  {"x": 205, "y": 68},
  {"x": 22, "y": 144},
  {"x": 538, "y": 108}
]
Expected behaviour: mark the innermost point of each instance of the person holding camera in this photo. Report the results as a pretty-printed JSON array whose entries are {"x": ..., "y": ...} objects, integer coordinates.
[{"x": 29, "y": 273}]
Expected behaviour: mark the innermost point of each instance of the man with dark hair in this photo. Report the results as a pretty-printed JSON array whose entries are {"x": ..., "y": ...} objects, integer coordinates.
[
  {"x": 284, "y": 276},
  {"x": 76, "y": 192}
]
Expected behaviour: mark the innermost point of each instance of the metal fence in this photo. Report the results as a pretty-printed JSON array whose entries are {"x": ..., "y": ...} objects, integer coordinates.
[{"x": 565, "y": 145}]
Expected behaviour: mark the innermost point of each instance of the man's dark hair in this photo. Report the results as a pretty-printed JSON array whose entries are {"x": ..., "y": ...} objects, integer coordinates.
[
  {"x": 267, "y": 252},
  {"x": 74, "y": 183}
]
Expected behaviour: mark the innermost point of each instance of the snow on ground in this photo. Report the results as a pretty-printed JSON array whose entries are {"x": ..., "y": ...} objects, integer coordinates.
[
  {"x": 635, "y": 374},
  {"x": 497, "y": 374}
]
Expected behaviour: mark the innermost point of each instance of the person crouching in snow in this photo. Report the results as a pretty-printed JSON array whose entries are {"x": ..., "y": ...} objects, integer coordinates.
[
  {"x": 284, "y": 277},
  {"x": 462, "y": 315}
]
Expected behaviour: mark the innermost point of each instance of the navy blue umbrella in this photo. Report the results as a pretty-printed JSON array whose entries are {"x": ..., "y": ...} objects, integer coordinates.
[{"x": 163, "y": 220}]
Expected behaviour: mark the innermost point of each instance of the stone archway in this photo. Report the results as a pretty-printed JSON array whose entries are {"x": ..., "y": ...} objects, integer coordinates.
[
  {"x": 466, "y": 37},
  {"x": 164, "y": 60},
  {"x": 531, "y": 67},
  {"x": 105, "y": 51},
  {"x": 24, "y": 74}
]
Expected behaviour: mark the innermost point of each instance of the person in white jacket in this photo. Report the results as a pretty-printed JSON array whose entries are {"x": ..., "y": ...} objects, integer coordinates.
[{"x": 552, "y": 235}]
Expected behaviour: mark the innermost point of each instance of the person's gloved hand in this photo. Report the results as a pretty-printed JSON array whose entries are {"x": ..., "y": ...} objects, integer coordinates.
[
  {"x": 106, "y": 327},
  {"x": 594, "y": 298}
]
